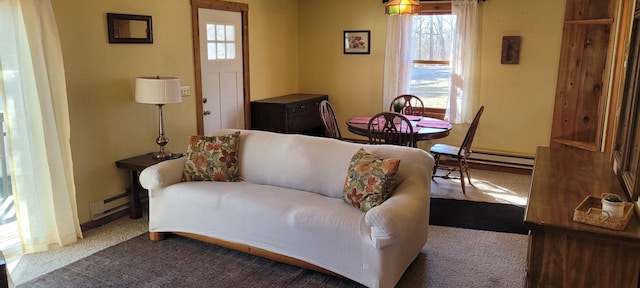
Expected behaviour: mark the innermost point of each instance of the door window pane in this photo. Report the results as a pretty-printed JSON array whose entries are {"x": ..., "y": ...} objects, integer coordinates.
[{"x": 220, "y": 41}]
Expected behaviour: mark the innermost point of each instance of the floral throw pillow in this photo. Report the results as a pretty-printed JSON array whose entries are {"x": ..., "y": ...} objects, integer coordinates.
[
  {"x": 370, "y": 180},
  {"x": 212, "y": 158}
]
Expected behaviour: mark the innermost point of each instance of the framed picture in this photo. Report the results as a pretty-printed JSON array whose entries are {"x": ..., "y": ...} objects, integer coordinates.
[
  {"x": 510, "y": 50},
  {"x": 125, "y": 28},
  {"x": 357, "y": 42}
]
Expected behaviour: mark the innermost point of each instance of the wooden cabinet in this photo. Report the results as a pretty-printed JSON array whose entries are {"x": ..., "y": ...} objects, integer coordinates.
[
  {"x": 565, "y": 253},
  {"x": 294, "y": 113},
  {"x": 583, "y": 74}
]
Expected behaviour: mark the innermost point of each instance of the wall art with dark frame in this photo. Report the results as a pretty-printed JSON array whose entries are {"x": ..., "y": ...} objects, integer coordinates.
[
  {"x": 126, "y": 28},
  {"x": 357, "y": 41}
]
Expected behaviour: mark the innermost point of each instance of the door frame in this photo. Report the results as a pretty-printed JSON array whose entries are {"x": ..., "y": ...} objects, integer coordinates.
[{"x": 224, "y": 6}]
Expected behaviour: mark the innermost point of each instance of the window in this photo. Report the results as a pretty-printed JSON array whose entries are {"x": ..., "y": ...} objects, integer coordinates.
[
  {"x": 431, "y": 73},
  {"x": 627, "y": 140},
  {"x": 221, "y": 43}
]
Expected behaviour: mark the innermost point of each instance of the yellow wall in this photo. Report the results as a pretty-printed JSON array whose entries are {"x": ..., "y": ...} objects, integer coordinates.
[
  {"x": 518, "y": 98},
  {"x": 353, "y": 82},
  {"x": 106, "y": 123}
]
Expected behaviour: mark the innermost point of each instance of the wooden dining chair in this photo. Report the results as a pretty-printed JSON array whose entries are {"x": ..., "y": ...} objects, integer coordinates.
[
  {"x": 390, "y": 128},
  {"x": 328, "y": 116},
  {"x": 459, "y": 153},
  {"x": 331, "y": 128},
  {"x": 407, "y": 105}
]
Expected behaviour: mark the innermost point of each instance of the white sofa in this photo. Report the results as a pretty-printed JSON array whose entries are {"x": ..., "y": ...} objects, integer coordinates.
[{"x": 289, "y": 207}]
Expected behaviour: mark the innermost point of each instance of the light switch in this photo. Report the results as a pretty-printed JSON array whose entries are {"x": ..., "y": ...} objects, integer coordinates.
[{"x": 185, "y": 90}]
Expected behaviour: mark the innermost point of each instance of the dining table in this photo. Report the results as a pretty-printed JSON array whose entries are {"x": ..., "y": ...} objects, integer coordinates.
[{"x": 424, "y": 128}]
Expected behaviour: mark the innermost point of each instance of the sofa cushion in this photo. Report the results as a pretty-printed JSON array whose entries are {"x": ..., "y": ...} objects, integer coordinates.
[
  {"x": 370, "y": 180},
  {"x": 212, "y": 158}
]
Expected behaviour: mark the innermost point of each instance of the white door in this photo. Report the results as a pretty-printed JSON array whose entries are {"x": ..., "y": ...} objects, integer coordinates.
[{"x": 221, "y": 69}]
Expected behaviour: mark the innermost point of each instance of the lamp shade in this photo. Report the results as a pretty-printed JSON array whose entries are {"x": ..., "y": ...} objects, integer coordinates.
[
  {"x": 158, "y": 90},
  {"x": 396, "y": 7}
]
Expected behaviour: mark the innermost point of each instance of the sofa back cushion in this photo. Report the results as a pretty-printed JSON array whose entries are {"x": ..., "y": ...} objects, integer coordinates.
[{"x": 308, "y": 163}]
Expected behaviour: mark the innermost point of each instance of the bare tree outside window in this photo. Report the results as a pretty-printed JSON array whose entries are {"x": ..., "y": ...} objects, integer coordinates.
[{"x": 430, "y": 79}]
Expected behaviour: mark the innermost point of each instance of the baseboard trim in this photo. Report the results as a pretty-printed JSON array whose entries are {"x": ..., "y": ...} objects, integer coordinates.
[
  {"x": 481, "y": 166},
  {"x": 84, "y": 227}
]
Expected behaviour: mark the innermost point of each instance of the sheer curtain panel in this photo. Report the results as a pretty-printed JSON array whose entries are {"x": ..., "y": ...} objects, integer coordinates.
[
  {"x": 38, "y": 132},
  {"x": 398, "y": 60},
  {"x": 464, "y": 61}
]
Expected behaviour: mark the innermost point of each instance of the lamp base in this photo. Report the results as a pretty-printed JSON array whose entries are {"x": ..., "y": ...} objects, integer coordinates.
[{"x": 162, "y": 155}]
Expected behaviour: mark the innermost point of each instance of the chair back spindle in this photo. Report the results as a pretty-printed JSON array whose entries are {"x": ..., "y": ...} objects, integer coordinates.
[
  {"x": 465, "y": 148},
  {"x": 408, "y": 105},
  {"x": 328, "y": 116},
  {"x": 459, "y": 153},
  {"x": 390, "y": 128}
]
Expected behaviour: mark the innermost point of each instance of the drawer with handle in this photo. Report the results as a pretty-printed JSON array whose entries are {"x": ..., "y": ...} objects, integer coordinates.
[{"x": 303, "y": 106}]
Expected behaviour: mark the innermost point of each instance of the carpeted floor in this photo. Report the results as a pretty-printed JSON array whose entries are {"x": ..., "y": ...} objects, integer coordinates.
[
  {"x": 487, "y": 186},
  {"x": 452, "y": 257}
]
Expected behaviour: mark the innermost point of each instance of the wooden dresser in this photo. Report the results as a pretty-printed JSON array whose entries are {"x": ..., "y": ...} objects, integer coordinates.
[
  {"x": 564, "y": 253},
  {"x": 294, "y": 113}
]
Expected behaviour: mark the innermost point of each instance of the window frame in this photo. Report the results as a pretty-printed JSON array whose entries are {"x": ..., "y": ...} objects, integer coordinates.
[
  {"x": 628, "y": 128},
  {"x": 434, "y": 9}
]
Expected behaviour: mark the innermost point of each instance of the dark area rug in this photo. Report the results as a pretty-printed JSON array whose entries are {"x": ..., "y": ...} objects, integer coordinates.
[
  {"x": 180, "y": 262},
  {"x": 477, "y": 215}
]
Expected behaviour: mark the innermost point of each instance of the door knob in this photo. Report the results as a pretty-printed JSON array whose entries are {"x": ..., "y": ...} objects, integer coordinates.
[{"x": 206, "y": 112}]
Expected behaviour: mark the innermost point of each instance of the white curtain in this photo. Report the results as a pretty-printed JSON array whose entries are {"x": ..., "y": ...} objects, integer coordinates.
[
  {"x": 398, "y": 58},
  {"x": 465, "y": 61},
  {"x": 38, "y": 131}
]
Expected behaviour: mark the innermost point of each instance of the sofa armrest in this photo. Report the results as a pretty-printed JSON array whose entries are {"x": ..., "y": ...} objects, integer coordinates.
[
  {"x": 162, "y": 174},
  {"x": 405, "y": 210}
]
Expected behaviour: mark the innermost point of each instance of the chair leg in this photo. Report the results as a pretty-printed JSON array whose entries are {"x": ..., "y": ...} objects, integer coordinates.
[
  {"x": 436, "y": 163},
  {"x": 466, "y": 170},
  {"x": 462, "y": 176}
]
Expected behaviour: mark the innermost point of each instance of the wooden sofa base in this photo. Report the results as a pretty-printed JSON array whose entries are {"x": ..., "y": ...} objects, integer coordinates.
[{"x": 158, "y": 236}]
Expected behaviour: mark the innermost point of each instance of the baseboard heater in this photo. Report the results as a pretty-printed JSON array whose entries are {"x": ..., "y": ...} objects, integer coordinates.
[
  {"x": 502, "y": 159},
  {"x": 103, "y": 208}
]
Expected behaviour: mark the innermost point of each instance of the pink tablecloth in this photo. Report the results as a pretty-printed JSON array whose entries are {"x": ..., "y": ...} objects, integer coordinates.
[
  {"x": 413, "y": 117},
  {"x": 424, "y": 122},
  {"x": 360, "y": 120},
  {"x": 433, "y": 123}
]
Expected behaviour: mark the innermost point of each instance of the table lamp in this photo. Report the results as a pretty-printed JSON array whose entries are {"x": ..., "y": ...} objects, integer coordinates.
[{"x": 159, "y": 91}]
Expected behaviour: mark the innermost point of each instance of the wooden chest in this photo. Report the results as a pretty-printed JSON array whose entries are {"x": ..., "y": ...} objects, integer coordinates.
[{"x": 294, "y": 113}]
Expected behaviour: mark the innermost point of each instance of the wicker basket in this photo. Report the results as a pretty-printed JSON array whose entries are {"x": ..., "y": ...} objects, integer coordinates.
[{"x": 590, "y": 212}]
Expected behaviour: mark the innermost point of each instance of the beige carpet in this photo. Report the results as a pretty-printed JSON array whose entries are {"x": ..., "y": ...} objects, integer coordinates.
[
  {"x": 29, "y": 266},
  {"x": 487, "y": 186}
]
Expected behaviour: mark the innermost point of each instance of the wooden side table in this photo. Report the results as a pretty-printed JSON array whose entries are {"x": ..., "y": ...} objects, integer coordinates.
[{"x": 134, "y": 166}]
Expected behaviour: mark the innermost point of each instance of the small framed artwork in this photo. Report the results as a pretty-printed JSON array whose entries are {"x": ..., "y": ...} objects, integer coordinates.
[
  {"x": 510, "y": 50},
  {"x": 357, "y": 42},
  {"x": 126, "y": 28}
]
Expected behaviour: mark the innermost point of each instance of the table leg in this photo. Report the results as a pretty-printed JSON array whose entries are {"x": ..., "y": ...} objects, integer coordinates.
[{"x": 135, "y": 209}]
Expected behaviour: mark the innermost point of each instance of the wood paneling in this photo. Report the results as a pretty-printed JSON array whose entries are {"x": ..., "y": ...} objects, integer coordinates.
[{"x": 582, "y": 86}]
